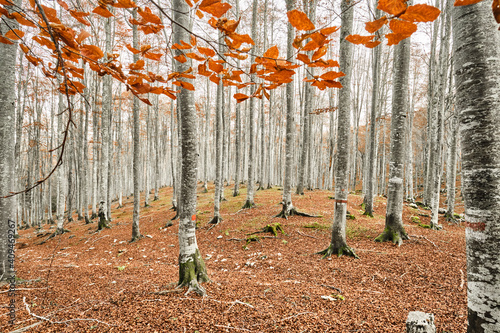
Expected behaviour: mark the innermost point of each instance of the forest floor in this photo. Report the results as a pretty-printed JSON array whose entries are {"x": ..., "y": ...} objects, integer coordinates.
[{"x": 83, "y": 281}]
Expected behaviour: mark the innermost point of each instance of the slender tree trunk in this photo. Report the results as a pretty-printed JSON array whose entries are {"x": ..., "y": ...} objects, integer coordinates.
[
  {"x": 192, "y": 269},
  {"x": 372, "y": 158},
  {"x": 394, "y": 230},
  {"x": 136, "y": 233},
  {"x": 338, "y": 243},
  {"x": 477, "y": 71},
  {"x": 7, "y": 144},
  {"x": 206, "y": 139},
  {"x": 251, "y": 159}
]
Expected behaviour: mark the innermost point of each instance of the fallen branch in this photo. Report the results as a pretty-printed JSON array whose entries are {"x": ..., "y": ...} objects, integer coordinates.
[
  {"x": 26, "y": 328},
  {"x": 60, "y": 322},
  {"x": 419, "y": 236},
  {"x": 462, "y": 279},
  {"x": 331, "y": 287},
  {"x": 6, "y": 291},
  {"x": 300, "y": 233}
]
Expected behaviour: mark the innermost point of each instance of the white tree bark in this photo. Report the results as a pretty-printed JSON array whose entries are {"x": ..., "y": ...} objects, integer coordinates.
[
  {"x": 476, "y": 42},
  {"x": 192, "y": 269}
]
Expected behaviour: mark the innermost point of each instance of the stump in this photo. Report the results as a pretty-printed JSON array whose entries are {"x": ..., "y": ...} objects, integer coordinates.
[{"x": 420, "y": 322}]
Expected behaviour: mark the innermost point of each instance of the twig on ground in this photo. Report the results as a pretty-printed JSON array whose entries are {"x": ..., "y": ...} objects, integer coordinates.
[
  {"x": 95, "y": 240},
  {"x": 296, "y": 315},
  {"x": 462, "y": 279},
  {"x": 419, "y": 236},
  {"x": 331, "y": 287},
  {"x": 63, "y": 321},
  {"x": 233, "y": 328},
  {"x": 26, "y": 328},
  {"x": 300, "y": 233}
]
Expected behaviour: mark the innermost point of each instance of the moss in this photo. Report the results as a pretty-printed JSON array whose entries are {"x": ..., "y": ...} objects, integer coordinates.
[
  {"x": 391, "y": 235},
  {"x": 340, "y": 251},
  {"x": 350, "y": 217},
  {"x": 415, "y": 219},
  {"x": 316, "y": 225},
  {"x": 425, "y": 226},
  {"x": 192, "y": 273},
  {"x": 274, "y": 228}
]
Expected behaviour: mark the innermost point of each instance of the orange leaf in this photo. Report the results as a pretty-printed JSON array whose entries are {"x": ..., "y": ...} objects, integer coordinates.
[
  {"x": 63, "y": 4},
  {"x": 82, "y": 36},
  {"x": 6, "y": 2},
  {"x": 332, "y": 75},
  {"x": 420, "y": 13},
  {"x": 299, "y": 20},
  {"x": 329, "y": 30},
  {"x": 148, "y": 16},
  {"x": 215, "y": 66},
  {"x": 206, "y": 51},
  {"x": 304, "y": 58},
  {"x": 371, "y": 27},
  {"x": 332, "y": 84},
  {"x": 124, "y": 4},
  {"x": 180, "y": 58},
  {"x": 311, "y": 45},
  {"x": 195, "y": 56},
  {"x": 402, "y": 27},
  {"x": 24, "y": 48},
  {"x": 102, "y": 11},
  {"x": 137, "y": 65},
  {"x": 5, "y": 40},
  {"x": 371, "y": 45},
  {"x": 34, "y": 60},
  {"x": 357, "y": 39},
  {"x": 394, "y": 39},
  {"x": 459, "y": 3},
  {"x": 190, "y": 4},
  {"x": 199, "y": 14},
  {"x": 182, "y": 46},
  {"x": 153, "y": 56},
  {"x": 131, "y": 49},
  {"x": 14, "y": 34},
  {"x": 185, "y": 85},
  {"x": 214, "y": 7},
  {"x": 496, "y": 10},
  {"x": 272, "y": 52},
  {"x": 393, "y": 7},
  {"x": 202, "y": 70},
  {"x": 19, "y": 17},
  {"x": 240, "y": 97},
  {"x": 91, "y": 51},
  {"x": 79, "y": 16},
  {"x": 319, "y": 53},
  {"x": 214, "y": 78}
]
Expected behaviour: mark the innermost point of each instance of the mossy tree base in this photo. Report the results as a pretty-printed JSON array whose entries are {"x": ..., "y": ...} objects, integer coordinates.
[
  {"x": 340, "y": 251},
  {"x": 156, "y": 198},
  {"x": 236, "y": 193},
  {"x": 93, "y": 216},
  {"x": 192, "y": 273},
  {"x": 87, "y": 220},
  {"x": 392, "y": 235},
  {"x": 367, "y": 213},
  {"x": 248, "y": 204},
  {"x": 103, "y": 224},
  {"x": 54, "y": 234}
]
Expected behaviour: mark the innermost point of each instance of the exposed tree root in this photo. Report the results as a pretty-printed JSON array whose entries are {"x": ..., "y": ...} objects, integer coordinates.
[
  {"x": 366, "y": 213},
  {"x": 103, "y": 222},
  {"x": 435, "y": 226},
  {"x": 287, "y": 211},
  {"x": 156, "y": 197},
  {"x": 192, "y": 273},
  {"x": 176, "y": 215},
  {"x": 236, "y": 193},
  {"x": 54, "y": 234},
  {"x": 340, "y": 251},
  {"x": 391, "y": 235},
  {"x": 169, "y": 224},
  {"x": 136, "y": 238},
  {"x": 248, "y": 204},
  {"x": 87, "y": 220},
  {"x": 93, "y": 216}
]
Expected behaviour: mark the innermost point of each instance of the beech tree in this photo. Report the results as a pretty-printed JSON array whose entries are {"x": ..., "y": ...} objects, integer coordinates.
[{"x": 476, "y": 43}]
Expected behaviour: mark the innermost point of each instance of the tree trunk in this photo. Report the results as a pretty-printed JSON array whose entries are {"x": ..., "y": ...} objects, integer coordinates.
[
  {"x": 192, "y": 269},
  {"x": 7, "y": 134},
  {"x": 136, "y": 233},
  {"x": 476, "y": 44},
  {"x": 251, "y": 149},
  {"x": 338, "y": 243},
  {"x": 394, "y": 230}
]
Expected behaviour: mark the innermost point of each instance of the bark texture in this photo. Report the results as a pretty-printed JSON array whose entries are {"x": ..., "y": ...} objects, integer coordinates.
[
  {"x": 394, "y": 230},
  {"x": 476, "y": 43},
  {"x": 192, "y": 270}
]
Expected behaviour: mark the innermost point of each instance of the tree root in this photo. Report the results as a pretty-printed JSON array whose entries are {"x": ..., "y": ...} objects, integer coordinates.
[
  {"x": 87, "y": 220},
  {"x": 169, "y": 224},
  {"x": 54, "y": 234},
  {"x": 343, "y": 250},
  {"x": 285, "y": 213},
  {"x": 192, "y": 273},
  {"x": 391, "y": 235},
  {"x": 176, "y": 215},
  {"x": 248, "y": 204},
  {"x": 136, "y": 238}
]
